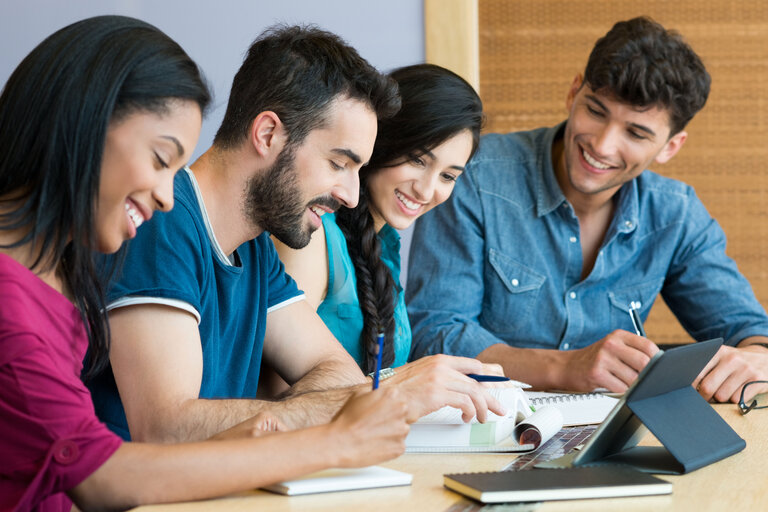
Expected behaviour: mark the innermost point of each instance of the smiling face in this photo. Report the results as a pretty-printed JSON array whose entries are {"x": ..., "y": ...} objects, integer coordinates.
[
  {"x": 608, "y": 143},
  {"x": 401, "y": 193},
  {"x": 142, "y": 153},
  {"x": 318, "y": 176}
]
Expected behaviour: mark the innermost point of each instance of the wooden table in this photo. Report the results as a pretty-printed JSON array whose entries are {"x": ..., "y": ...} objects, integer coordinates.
[{"x": 737, "y": 483}]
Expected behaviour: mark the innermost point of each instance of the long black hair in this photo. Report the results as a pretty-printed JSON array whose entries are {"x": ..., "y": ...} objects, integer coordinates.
[
  {"x": 54, "y": 113},
  {"x": 436, "y": 105}
]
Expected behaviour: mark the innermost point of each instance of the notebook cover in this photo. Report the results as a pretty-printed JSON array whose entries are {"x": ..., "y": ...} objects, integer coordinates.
[
  {"x": 331, "y": 480},
  {"x": 607, "y": 481}
]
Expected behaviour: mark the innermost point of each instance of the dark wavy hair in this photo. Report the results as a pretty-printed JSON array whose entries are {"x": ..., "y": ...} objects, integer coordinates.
[
  {"x": 643, "y": 64},
  {"x": 296, "y": 72},
  {"x": 54, "y": 113},
  {"x": 436, "y": 105}
]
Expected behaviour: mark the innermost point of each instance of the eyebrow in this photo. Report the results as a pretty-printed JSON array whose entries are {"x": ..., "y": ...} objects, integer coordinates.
[
  {"x": 173, "y": 139},
  {"x": 431, "y": 155},
  {"x": 349, "y": 154},
  {"x": 640, "y": 127}
]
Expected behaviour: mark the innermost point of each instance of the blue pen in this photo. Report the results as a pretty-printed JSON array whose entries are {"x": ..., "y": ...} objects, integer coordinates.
[
  {"x": 497, "y": 378},
  {"x": 487, "y": 378},
  {"x": 378, "y": 360}
]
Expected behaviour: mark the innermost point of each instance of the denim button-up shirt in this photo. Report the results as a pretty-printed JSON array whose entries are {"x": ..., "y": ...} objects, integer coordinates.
[{"x": 501, "y": 260}]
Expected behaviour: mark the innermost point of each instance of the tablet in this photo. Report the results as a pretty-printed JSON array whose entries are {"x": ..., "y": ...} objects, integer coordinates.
[{"x": 663, "y": 401}]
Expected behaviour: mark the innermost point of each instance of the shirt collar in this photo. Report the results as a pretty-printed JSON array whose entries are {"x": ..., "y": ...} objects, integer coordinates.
[
  {"x": 627, "y": 214},
  {"x": 549, "y": 196}
]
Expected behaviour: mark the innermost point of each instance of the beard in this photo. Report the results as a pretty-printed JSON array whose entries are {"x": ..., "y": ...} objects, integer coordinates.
[{"x": 274, "y": 202}]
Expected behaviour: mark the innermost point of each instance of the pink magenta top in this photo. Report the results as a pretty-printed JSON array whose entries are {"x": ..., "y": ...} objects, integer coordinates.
[{"x": 50, "y": 438}]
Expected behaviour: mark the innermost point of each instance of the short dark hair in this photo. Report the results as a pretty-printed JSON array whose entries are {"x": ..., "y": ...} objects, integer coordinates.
[
  {"x": 296, "y": 72},
  {"x": 643, "y": 64},
  {"x": 436, "y": 105},
  {"x": 55, "y": 110}
]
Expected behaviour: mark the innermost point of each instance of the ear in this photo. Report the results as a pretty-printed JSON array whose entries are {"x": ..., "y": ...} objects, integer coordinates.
[
  {"x": 267, "y": 133},
  {"x": 578, "y": 81},
  {"x": 671, "y": 148}
]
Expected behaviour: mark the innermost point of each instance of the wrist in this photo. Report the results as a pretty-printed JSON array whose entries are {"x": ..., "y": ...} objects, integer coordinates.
[
  {"x": 763, "y": 345},
  {"x": 384, "y": 374}
]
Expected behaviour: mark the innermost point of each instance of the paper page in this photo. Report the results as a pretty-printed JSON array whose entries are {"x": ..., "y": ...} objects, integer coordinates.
[
  {"x": 513, "y": 399},
  {"x": 576, "y": 408}
]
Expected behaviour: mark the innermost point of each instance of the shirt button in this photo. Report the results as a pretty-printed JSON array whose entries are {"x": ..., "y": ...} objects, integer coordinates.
[
  {"x": 628, "y": 224},
  {"x": 65, "y": 451},
  {"x": 566, "y": 346},
  {"x": 572, "y": 295},
  {"x": 515, "y": 282},
  {"x": 572, "y": 239}
]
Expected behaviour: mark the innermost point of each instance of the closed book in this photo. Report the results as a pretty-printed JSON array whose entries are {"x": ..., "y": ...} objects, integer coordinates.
[
  {"x": 556, "y": 484},
  {"x": 341, "y": 479}
]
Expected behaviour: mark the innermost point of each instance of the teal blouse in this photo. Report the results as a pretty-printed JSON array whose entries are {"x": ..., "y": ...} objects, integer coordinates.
[{"x": 340, "y": 310}]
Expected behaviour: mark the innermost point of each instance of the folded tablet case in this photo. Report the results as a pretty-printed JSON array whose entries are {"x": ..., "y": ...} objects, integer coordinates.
[{"x": 662, "y": 400}]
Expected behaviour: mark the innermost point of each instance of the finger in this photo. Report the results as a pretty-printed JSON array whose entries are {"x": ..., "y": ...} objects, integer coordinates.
[
  {"x": 615, "y": 384},
  {"x": 492, "y": 369},
  {"x": 640, "y": 343}
]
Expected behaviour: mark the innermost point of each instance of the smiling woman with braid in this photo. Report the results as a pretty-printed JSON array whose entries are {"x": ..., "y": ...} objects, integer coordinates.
[{"x": 351, "y": 269}]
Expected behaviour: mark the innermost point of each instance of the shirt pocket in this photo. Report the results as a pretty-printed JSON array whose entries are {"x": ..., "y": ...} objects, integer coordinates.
[
  {"x": 511, "y": 292},
  {"x": 642, "y": 294},
  {"x": 346, "y": 311}
]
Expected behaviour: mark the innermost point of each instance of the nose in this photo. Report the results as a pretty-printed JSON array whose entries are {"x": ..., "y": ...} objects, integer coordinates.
[
  {"x": 163, "y": 192},
  {"x": 347, "y": 191},
  {"x": 605, "y": 141},
  {"x": 424, "y": 187}
]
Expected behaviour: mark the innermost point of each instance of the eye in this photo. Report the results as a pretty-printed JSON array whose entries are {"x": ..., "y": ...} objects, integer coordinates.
[
  {"x": 160, "y": 161},
  {"x": 446, "y": 176},
  {"x": 335, "y": 166},
  {"x": 592, "y": 110},
  {"x": 636, "y": 135},
  {"x": 418, "y": 161}
]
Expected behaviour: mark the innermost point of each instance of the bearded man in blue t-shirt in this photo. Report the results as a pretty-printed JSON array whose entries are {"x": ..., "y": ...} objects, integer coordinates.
[{"x": 203, "y": 300}]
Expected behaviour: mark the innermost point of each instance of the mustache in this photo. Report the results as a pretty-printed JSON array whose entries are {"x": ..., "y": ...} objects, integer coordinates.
[{"x": 330, "y": 202}]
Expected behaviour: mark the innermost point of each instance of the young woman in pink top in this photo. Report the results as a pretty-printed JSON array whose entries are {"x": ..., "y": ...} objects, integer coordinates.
[{"x": 94, "y": 124}]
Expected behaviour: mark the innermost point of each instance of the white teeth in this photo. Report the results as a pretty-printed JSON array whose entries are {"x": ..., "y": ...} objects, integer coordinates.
[
  {"x": 137, "y": 219},
  {"x": 407, "y": 202},
  {"x": 317, "y": 210},
  {"x": 594, "y": 163}
]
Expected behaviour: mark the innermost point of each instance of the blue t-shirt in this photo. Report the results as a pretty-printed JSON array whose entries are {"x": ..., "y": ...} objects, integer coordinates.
[
  {"x": 340, "y": 310},
  {"x": 176, "y": 260}
]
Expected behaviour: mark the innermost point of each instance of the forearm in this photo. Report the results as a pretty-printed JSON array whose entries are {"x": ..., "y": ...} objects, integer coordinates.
[
  {"x": 195, "y": 419},
  {"x": 328, "y": 374},
  {"x": 142, "y": 473},
  {"x": 541, "y": 368}
]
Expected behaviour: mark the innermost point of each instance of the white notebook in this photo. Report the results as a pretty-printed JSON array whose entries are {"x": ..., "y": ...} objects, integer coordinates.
[
  {"x": 331, "y": 480},
  {"x": 577, "y": 408}
]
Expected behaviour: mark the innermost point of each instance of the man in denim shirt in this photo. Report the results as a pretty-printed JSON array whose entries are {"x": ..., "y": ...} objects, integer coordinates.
[{"x": 552, "y": 234}]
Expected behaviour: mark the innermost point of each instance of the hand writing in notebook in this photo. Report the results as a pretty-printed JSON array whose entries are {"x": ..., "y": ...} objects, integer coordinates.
[{"x": 435, "y": 381}]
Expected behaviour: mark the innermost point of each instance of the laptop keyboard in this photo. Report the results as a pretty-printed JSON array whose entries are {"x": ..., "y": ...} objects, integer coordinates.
[{"x": 561, "y": 443}]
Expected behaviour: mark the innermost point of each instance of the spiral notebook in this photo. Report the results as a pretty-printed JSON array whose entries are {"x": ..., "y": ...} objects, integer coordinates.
[{"x": 576, "y": 408}]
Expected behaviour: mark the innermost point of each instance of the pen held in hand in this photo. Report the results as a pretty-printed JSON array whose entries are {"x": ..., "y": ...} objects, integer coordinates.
[
  {"x": 636, "y": 321},
  {"x": 380, "y": 339},
  {"x": 497, "y": 378}
]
